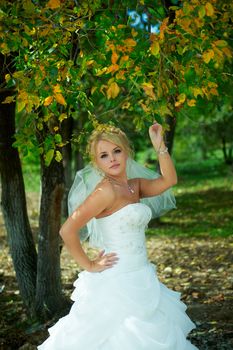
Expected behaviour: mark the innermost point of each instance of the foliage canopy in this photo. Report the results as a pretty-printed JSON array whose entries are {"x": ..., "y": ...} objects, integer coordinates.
[{"x": 64, "y": 59}]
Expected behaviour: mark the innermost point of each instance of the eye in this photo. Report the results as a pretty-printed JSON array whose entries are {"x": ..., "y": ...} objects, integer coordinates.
[
  {"x": 118, "y": 150},
  {"x": 103, "y": 155}
]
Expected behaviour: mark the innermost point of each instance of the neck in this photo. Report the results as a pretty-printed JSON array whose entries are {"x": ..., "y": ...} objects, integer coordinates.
[{"x": 119, "y": 178}]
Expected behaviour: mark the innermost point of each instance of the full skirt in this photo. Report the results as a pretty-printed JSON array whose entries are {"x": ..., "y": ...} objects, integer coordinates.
[{"x": 122, "y": 311}]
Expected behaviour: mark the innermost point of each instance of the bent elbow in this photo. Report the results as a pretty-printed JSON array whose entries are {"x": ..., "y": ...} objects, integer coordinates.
[
  {"x": 173, "y": 181},
  {"x": 61, "y": 233}
]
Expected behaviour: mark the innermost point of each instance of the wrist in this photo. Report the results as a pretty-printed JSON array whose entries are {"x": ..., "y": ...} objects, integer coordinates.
[
  {"x": 89, "y": 266},
  {"x": 162, "y": 151},
  {"x": 161, "y": 147}
]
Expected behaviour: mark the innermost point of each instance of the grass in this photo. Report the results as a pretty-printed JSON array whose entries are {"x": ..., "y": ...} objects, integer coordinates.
[{"x": 204, "y": 197}]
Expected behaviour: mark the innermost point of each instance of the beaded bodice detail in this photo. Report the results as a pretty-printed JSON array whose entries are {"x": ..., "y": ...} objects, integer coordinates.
[{"x": 124, "y": 230}]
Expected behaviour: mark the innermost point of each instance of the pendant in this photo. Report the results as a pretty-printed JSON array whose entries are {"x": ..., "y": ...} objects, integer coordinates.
[{"x": 130, "y": 189}]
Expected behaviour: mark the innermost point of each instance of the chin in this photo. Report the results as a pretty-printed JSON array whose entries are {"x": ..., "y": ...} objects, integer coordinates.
[{"x": 113, "y": 171}]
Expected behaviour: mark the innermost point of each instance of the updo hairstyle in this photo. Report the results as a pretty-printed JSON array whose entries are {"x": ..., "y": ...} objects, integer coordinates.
[{"x": 109, "y": 133}]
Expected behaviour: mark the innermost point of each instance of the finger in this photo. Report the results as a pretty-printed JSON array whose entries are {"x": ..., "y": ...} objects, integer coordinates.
[
  {"x": 111, "y": 254},
  {"x": 101, "y": 253}
]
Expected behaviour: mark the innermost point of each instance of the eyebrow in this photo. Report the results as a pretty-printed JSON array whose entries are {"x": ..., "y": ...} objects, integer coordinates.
[{"x": 113, "y": 150}]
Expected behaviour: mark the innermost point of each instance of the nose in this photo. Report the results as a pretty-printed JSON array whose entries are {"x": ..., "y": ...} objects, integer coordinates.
[{"x": 112, "y": 157}]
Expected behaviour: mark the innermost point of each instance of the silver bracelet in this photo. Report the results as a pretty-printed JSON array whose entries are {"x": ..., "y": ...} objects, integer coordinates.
[{"x": 163, "y": 151}]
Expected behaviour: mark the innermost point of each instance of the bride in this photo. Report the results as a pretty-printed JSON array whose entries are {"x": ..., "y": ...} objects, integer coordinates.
[{"x": 119, "y": 302}]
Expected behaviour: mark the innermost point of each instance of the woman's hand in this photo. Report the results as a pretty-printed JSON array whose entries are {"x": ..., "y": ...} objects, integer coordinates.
[
  {"x": 156, "y": 135},
  {"x": 103, "y": 262}
]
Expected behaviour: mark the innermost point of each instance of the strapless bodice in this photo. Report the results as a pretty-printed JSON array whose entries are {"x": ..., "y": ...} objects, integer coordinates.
[{"x": 123, "y": 232}]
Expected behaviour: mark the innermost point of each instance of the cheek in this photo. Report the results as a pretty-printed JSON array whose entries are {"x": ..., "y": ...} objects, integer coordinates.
[{"x": 102, "y": 162}]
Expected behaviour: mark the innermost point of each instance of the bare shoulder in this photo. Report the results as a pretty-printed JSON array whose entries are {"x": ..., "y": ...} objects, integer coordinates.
[
  {"x": 101, "y": 198},
  {"x": 105, "y": 191}
]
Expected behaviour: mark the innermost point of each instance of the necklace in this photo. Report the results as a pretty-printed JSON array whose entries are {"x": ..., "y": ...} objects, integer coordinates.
[{"x": 131, "y": 190}]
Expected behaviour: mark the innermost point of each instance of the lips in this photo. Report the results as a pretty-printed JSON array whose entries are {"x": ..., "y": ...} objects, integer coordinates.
[{"x": 114, "y": 166}]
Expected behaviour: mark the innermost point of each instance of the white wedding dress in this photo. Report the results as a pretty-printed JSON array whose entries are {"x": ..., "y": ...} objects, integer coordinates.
[{"x": 124, "y": 307}]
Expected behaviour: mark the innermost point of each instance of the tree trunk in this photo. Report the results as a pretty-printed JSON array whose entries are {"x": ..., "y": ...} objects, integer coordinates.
[
  {"x": 170, "y": 134},
  {"x": 67, "y": 130},
  {"x": 49, "y": 299},
  {"x": 13, "y": 202}
]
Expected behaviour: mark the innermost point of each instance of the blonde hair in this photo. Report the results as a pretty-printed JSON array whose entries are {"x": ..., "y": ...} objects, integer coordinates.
[{"x": 109, "y": 133}]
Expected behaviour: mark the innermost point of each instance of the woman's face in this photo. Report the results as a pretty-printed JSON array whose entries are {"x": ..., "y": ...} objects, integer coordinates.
[{"x": 110, "y": 158}]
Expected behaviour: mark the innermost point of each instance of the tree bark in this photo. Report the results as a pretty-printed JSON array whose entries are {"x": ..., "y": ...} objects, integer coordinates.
[
  {"x": 49, "y": 299},
  {"x": 13, "y": 202},
  {"x": 67, "y": 130},
  {"x": 170, "y": 134}
]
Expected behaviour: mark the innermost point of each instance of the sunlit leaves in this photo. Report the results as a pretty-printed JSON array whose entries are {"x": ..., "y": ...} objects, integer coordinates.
[
  {"x": 209, "y": 9},
  {"x": 70, "y": 61},
  {"x": 149, "y": 90},
  {"x": 155, "y": 47},
  {"x": 208, "y": 55},
  {"x": 113, "y": 90},
  {"x": 53, "y": 4},
  {"x": 48, "y": 100},
  {"x": 180, "y": 100}
]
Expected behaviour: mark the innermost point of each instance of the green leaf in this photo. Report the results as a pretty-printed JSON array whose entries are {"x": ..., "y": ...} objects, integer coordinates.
[
  {"x": 49, "y": 157},
  {"x": 58, "y": 138},
  {"x": 190, "y": 75}
]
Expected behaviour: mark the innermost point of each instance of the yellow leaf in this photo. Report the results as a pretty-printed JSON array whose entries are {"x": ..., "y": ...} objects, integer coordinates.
[
  {"x": 56, "y": 88},
  {"x": 60, "y": 99},
  {"x": 227, "y": 52},
  {"x": 180, "y": 100},
  {"x": 53, "y": 4},
  {"x": 121, "y": 74},
  {"x": 7, "y": 77},
  {"x": 197, "y": 91},
  {"x": 48, "y": 100},
  {"x": 163, "y": 27},
  {"x": 134, "y": 33},
  {"x": 58, "y": 156},
  {"x": 101, "y": 71},
  {"x": 62, "y": 117},
  {"x": 125, "y": 105},
  {"x": 124, "y": 58},
  {"x": 45, "y": 31},
  {"x": 191, "y": 103},
  {"x": 209, "y": 9},
  {"x": 214, "y": 91},
  {"x": 113, "y": 90},
  {"x": 90, "y": 62},
  {"x": 9, "y": 99},
  {"x": 148, "y": 88},
  {"x": 20, "y": 105},
  {"x": 220, "y": 43},
  {"x": 155, "y": 48},
  {"x": 113, "y": 68},
  {"x": 93, "y": 89},
  {"x": 4, "y": 48},
  {"x": 114, "y": 58},
  {"x": 145, "y": 108},
  {"x": 130, "y": 42},
  {"x": 201, "y": 12},
  {"x": 208, "y": 55}
]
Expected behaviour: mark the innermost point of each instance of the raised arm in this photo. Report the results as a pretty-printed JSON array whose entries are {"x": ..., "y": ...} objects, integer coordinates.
[
  {"x": 99, "y": 200},
  {"x": 168, "y": 176}
]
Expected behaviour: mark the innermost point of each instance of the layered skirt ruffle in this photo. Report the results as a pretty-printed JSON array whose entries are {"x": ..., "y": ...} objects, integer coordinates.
[{"x": 122, "y": 311}]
